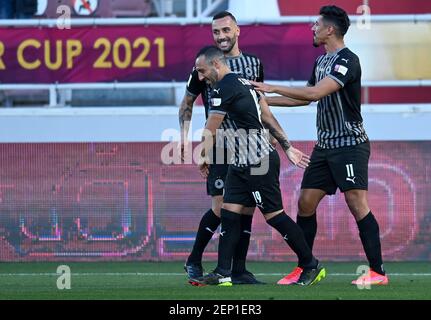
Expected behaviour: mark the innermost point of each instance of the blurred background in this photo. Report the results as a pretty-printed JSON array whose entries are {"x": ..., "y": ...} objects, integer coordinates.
[{"x": 89, "y": 97}]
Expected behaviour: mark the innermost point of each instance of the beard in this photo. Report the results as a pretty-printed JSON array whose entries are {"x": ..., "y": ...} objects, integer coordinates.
[
  {"x": 213, "y": 78},
  {"x": 231, "y": 44},
  {"x": 315, "y": 43}
]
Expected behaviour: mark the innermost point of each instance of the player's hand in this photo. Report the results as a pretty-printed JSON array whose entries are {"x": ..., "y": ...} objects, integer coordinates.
[
  {"x": 263, "y": 87},
  {"x": 204, "y": 167},
  {"x": 297, "y": 157}
]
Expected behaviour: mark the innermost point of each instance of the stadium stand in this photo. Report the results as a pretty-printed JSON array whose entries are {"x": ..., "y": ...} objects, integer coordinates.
[
  {"x": 105, "y": 9},
  {"x": 305, "y": 8},
  {"x": 167, "y": 95},
  {"x": 132, "y": 8}
]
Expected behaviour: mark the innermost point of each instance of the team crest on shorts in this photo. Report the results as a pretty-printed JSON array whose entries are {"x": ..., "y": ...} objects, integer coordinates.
[{"x": 219, "y": 184}]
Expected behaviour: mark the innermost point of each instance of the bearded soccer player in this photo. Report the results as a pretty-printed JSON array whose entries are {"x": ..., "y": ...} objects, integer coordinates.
[
  {"x": 253, "y": 175},
  {"x": 225, "y": 35},
  {"x": 340, "y": 157}
]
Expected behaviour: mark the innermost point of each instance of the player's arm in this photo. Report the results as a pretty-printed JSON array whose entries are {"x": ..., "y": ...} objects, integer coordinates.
[
  {"x": 185, "y": 113},
  {"x": 185, "y": 116},
  {"x": 214, "y": 122},
  {"x": 193, "y": 89},
  {"x": 269, "y": 121},
  {"x": 261, "y": 78},
  {"x": 281, "y": 101},
  {"x": 323, "y": 88}
]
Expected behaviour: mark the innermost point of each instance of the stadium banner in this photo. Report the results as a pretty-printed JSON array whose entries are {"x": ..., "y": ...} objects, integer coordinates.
[
  {"x": 118, "y": 201},
  {"x": 166, "y": 53}
]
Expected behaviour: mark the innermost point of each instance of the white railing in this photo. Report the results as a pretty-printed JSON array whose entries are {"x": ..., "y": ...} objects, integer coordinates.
[
  {"x": 178, "y": 87},
  {"x": 413, "y": 18}
]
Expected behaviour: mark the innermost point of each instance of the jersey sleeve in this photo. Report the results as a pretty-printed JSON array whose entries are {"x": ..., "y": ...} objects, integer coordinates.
[
  {"x": 312, "y": 81},
  {"x": 194, "y": 86},
  {"x": 345, "y": 70},
  {"x": 221, "y": 99}
]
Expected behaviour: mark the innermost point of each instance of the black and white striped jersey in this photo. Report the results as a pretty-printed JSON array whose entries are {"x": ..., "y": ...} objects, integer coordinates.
[
  {"x": 247, "y": 66},
  {"x": 247, "y": 140},
  {"x": 339, "y": 122}
]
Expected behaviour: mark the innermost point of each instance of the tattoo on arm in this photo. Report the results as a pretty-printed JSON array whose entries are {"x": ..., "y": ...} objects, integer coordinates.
[
  {"x": 277, "y": 132},
  {"x": 185, "y": 114}
]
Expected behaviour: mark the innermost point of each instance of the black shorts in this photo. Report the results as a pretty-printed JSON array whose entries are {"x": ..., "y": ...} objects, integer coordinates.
[
  {"x": 216, "y": 179},
  {"x": 251, "y": 190},
  {"x": 345, "y": 168}
]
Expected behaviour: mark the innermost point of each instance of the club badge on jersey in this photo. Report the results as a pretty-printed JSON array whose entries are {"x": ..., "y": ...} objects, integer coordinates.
[{"x": 341, "y": 69}]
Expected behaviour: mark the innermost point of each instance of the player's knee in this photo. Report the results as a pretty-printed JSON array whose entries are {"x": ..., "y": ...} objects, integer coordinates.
[
  {"x": 216, "y": 208},
  {"x": 357, "y": 203},
  {"x": 352, "y": 198},
  {"x": 217, "y": 211},
  {"x": 306, "y": 207},
  {"x": 217, "y": 203}
]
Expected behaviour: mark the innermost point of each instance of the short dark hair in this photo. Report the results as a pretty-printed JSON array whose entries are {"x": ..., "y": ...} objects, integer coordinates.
[
  {"x": 210, "y": 53},
  {"x": 337, "y": 16},
  {"x": 223, "y": 14}
]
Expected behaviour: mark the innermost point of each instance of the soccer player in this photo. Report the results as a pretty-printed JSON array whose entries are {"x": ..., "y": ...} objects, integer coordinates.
[
  {"x": 253, "y": 174},
  {"x": 340, "y": 157},
  {"x": 225, "y": 34}
]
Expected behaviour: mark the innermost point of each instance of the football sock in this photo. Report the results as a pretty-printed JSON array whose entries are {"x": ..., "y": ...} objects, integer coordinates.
[
  {"x": 370, "y": 238},
  {"x": 208, "y": 225},
  {"x": 229, "y": 238},
  {"x": 294, "y": 237},
  {"x": 309, "y": 227},
  {"x": 240, "y": 255}
]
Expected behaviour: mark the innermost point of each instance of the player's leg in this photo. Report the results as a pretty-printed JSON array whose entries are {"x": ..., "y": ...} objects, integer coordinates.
[
  {"x": 228, "y": 241},
  {"x": 207, "y": 227},
  {"x": 311, "y": 271},
  {"x": 240, "y": 255},
  {"x": 267, "y": 195},
  {"x": 240, "y": 274},
  {"x": 308, "y": 202},
  {"x": 236, "y": 198},
  {"x": 350, "y": 167},
  {"x": 316, "y": 183},
  {"x": 209, "y": 221},
  {"x": 306, "y": 219},
  {"x": 369, "y": 234}
]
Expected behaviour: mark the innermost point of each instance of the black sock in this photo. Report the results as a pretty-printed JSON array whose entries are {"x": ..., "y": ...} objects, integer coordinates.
[
  {"x": 208, "y": 225},
  {"x": 370, "y": 237},
  {"x": 309, "y": 227},
  {"x": 294, "y": 237},
  {"x": 229, "y": 237},
  {"x": 240, "y": 255}
]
